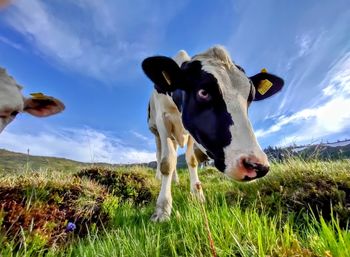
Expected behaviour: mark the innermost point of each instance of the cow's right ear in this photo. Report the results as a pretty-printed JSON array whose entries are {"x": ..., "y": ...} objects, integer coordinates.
[
  {"x": 266, "y": 84},
  {"x": 41, "y": 105},
  {"x": 164, "y": 72}
]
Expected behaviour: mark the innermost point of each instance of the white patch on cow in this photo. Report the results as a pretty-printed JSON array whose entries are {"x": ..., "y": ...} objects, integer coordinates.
[
  {"x": 181, "y": 57},
  {"x": 192, "y": 163},
  {"x": 11, "y": 99},
  {"x": 164, "y": 201},
  {"x": 235, "y": 88}
]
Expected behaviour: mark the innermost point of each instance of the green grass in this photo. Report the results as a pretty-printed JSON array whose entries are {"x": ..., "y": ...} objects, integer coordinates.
[{"x": 299, "y": 209}]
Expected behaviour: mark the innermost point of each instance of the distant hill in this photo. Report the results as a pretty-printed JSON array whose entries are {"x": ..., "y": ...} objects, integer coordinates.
[
  {"x": 181, "y": 161},
  {"x": 12, "y": 161},
  {"x": 325, "y": 151}
]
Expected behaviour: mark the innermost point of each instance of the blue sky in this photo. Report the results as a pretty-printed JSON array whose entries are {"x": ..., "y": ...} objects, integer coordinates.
[{"x": 88, "y": 54}]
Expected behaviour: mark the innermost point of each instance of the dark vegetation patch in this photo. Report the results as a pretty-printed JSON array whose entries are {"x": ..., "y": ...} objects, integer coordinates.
[
  {"x": 303, "y": 193},
  {"x": 40, "y": 214},
  {"x": 39, "y": 211},
  {"x": 134, "y": 187}
]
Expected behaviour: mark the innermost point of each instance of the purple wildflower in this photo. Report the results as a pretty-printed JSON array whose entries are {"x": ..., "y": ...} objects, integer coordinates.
[{"x": 70, "y": 227}]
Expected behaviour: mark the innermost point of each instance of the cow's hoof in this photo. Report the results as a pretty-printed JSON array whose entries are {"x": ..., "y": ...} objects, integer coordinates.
[
  {"x": 160, "y": 216},
  {"x": 199, "y": 196},
  {"x": 197, "y": 192}
]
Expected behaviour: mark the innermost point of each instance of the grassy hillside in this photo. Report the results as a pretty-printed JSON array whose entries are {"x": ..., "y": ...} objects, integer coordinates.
[
  {"x": 11, "y": 161},
  {"x": 299, "y": 209},
  {"x": 19, "y": 163}
]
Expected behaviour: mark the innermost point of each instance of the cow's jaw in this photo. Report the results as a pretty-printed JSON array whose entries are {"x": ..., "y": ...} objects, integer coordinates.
[{"x": 244, "y": 152}]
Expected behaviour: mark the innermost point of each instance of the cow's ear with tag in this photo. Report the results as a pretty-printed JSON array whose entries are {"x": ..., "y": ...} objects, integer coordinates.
[
  {"x": 164, "y": 72},
  {"x": 266, "y": 84},
  {"x": 41, "y": 105}
]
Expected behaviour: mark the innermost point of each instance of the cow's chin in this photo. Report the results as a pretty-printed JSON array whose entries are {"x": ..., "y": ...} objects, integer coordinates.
[
  {"x": 247, "y": 168},
  {"x": 236, "y": 171},
  {"x": 241, "y": 175}
]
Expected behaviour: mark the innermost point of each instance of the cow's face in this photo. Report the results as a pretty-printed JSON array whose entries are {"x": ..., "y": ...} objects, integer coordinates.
[
  {"x": 217, "y": 94},
  {"x": 12, "y": 102}
]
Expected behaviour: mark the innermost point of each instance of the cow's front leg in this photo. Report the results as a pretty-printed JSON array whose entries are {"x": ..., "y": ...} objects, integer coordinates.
[
  {"x": 164, "y": 201},
  {"x": 159, "y": 156},
  {"x": 167, "y": 168},
  {"x": 175, "y": 175},
  {"x": 192, "y": 163}
]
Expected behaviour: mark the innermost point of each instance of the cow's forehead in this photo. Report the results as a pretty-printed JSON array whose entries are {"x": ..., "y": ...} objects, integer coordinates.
[
  {"x": 216, "y": 56},
  {"x": 7, "y": 81},
  {"x": 10, "y": 92},
  {"x": 217, "y": 62}
]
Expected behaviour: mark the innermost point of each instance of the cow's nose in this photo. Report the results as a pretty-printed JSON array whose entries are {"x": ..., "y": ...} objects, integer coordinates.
[{"x": 254, "y": 169}]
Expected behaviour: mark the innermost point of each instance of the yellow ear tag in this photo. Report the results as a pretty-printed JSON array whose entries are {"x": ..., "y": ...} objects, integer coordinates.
[
  {"x": 166, "y": 77},
  {"x": 39, "y": 96},
  {"x": 264, "y": 70},
  {"x": 264, "y": 86}
]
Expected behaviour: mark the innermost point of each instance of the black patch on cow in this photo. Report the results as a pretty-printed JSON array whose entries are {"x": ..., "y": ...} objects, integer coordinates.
[
  {"x": 207, "y": 121},
  {"x": 178, "y": 98},
  {"x": 149, "y": 111},
  {"x": 240, "y": 68},
  {"x": 251, "y": 92}
]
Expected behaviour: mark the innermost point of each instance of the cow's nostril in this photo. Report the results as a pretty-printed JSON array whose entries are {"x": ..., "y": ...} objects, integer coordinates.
[{"x": 260, "y": 169}]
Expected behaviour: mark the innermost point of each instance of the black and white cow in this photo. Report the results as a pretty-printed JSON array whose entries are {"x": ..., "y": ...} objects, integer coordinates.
[
  {"x": 203, "y": 102},
  {"x": 12, "y": 102}
]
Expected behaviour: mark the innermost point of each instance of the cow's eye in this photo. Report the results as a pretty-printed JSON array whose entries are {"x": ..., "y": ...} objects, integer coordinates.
[
  {"x": 204, "y": 95},
  {"x": 14, "y": 113}
]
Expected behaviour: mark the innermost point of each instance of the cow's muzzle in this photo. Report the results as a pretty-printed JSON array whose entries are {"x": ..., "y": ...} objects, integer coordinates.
[{"x": 252, "y": 169}]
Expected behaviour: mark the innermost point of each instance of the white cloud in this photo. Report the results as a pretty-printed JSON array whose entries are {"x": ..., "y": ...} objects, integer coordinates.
[
  {"x": 331, "y": 118},
  {"x": 145, "y": 139},
  {"x": 86, "y": 145},
  {"x": 331, "y": 114},
  {"x": 304, "y": 42},
  {"x": 339, "y": 78},
  {"x": 10, "y": 43},
  {"x": 100, "y": 39},
  {"x": 285, "y": 120}
]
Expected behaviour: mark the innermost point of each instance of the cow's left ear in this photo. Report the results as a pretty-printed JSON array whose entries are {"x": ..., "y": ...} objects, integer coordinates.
[
  {"x": 164, "y": 72},
  {"x": 266, "y": 84},
  {"x": 40, "y": 105}
]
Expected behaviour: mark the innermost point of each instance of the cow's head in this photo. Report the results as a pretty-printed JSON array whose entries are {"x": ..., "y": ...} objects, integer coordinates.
[
  {"x": 12, "y": 102},
  {"x": 217, "y": 94}
]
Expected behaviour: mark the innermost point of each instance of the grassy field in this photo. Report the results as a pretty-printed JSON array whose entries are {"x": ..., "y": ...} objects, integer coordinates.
[{"x": 299, "y": 209}]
